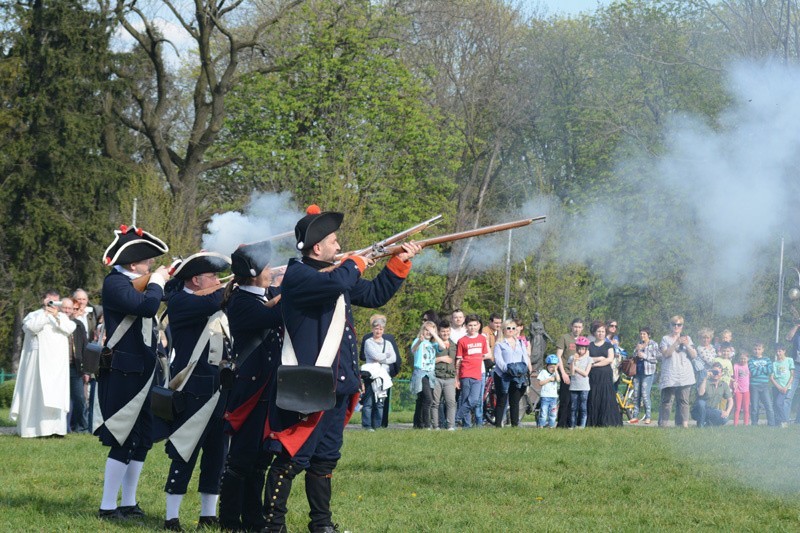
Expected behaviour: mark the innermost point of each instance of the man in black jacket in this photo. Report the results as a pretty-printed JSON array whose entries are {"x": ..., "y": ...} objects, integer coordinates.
[{"x": 77, "y": 343}]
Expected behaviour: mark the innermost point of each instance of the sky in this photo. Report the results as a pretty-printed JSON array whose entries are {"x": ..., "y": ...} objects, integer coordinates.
[{"x": 569, "y": 7}]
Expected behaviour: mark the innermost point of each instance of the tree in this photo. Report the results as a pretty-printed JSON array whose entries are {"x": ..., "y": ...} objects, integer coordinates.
[
  {"x": 471, "y": 51},
  {"x": 225, "y": 39},
  {"x": 346, "y": 128},
  {"x": 58, "y": 188}
]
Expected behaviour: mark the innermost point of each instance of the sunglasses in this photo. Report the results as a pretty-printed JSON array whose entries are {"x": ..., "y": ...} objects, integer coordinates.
[
  {"x": 509, "y": 328},
  {"x": 677, "y": 324},
  {"x": 612, "y": 325}
]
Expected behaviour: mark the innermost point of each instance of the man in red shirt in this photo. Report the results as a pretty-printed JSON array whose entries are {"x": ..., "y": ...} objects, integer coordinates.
[{"x": 470, "y": 353}]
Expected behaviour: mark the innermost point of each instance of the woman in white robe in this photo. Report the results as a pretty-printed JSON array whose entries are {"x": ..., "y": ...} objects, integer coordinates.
[{"x": 41, "y": 399}]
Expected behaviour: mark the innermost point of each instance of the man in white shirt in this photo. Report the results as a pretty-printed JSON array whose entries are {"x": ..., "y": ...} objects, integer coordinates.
[{"x": 457, "y": 327}]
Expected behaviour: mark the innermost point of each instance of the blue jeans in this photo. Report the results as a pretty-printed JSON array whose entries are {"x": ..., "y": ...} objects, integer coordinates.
[
  {"x": 372, "y": 410},
  {"x": 479, "y": 408},
  {"x": 791, "y": 393},
  {"x": 470, "y": 399},
  {"x": 548, "y": 412},
  {"x": 782, "y": 405},
  {"x": 707, "y": 416},
  {"x": 642, "y": 385},
  {"x": 759, "y": 395},
  {"x": 578, "y": 408},
  {"x": 77, "y": 415}
]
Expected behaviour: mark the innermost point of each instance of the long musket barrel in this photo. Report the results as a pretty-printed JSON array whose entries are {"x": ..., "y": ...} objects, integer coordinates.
[
  {"x": 477, "y": 232},
  {"x": 378, "y": 249}
]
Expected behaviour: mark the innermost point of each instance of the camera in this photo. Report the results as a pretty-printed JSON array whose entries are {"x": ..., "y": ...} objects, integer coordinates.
[{"x": 53, "y": 303}]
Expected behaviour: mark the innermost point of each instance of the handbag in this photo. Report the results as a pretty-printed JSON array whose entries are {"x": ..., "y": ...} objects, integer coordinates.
[
  {"x": 698, "y": 364},
  {"x": 308, "y": 389},
  {"x": 305, "y": 389},
  {"x": 166, "y": 403},
  {"x": 96, "y": 357},
  {"x": 628, "y": 367}
]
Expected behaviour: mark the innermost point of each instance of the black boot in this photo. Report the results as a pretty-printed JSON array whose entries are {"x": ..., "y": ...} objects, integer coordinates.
[
  {"x": 231, "y": 493},
  {"x": 318, "y": 492},
  {"x": 252, "y": 506},
  {"x": 276, "y": 496}
]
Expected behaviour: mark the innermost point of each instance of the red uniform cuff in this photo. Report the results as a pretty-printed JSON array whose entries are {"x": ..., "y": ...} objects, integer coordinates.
[{"x": 398, "y": 267}]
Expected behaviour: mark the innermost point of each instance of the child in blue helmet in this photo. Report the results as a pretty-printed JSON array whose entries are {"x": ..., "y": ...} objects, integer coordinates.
[{"x": 549, "y": 381}]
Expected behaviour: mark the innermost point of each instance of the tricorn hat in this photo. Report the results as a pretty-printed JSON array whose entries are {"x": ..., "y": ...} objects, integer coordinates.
[
  {"x": 249, "y": 260},
  {"x": 131, "y": 245},
  {"x": 199, "y": 263},
  {"x": 315, "y": 226}
]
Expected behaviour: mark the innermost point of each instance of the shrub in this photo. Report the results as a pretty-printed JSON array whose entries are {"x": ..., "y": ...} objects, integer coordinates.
[{"x": 6, "y": 392}]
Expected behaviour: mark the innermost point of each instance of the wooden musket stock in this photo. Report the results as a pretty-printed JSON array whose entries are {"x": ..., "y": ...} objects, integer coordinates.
[{"x": 477, "y": 232}]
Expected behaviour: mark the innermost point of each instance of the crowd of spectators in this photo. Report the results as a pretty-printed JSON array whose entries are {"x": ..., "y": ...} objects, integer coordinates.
[
  {"x": 52, "y": 393},
  {"x": 712, "y": 382}
]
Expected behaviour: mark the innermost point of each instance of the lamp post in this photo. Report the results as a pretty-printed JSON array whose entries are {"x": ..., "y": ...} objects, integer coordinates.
[{"x": 794, "y": 293}]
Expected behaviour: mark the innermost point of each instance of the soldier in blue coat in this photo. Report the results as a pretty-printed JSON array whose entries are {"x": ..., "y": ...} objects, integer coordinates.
[
  {"x": 121, "y": 415},
  {"x": 200, "y": 339},
  {"x": 254, "y": 314},
  {"x": 310, "y": 290}
]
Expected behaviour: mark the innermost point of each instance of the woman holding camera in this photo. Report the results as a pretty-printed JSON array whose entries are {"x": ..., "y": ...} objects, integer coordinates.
[
  {"x": 423, "y": 378},
  {"x": 677, "y": 373},
  {"x": 646, "y": 358}
]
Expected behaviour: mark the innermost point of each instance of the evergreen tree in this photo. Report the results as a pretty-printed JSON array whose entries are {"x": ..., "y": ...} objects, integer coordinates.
[{"x": 57, "y": 188}]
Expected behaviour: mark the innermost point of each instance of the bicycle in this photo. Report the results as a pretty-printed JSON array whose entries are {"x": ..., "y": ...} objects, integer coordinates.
[
  {"x": 625, "y": 400},
  {"x": 528, "y": 402}
]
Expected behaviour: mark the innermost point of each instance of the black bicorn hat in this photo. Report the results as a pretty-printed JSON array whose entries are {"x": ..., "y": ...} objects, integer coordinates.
[
  {"x": 199, "y": 263},
  {"x": 131, "y": 245},
  {"x": 315, "y": 226},
  {"x": 249, "y": 260}
]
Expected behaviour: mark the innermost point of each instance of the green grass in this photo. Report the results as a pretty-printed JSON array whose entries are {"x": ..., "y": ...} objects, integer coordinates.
[
  {"x": 629, "y": 479},
  {"x": 4, "y": 420}
]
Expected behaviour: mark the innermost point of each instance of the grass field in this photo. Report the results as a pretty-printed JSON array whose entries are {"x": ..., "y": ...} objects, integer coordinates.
[{"x": 623, "y": 479}]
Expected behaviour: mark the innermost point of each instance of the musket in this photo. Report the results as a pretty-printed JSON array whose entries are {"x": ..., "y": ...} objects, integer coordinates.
[
  {"x": 450, "y": 237},
  {"x": 379, "y": 248}
]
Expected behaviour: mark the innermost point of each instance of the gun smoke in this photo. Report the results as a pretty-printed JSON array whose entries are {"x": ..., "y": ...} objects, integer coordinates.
[
  {"x": 711, "y": 209},
  {"x": 266, "y": 214}
]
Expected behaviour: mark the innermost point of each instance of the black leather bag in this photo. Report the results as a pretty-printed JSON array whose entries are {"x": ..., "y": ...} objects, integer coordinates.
[
  {"x": 166, "y": 403},
  {"x": 305, "y": 389},
  {"x": 92, "y": 355}
]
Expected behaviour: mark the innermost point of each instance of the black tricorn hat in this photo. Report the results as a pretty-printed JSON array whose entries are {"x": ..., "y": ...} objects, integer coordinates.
[
  {"x": 199, "y": 263},
  {"x": 131, "y": 245},
  {"x": 248, "y": 260},
  {"x": 315, "y": 226}
]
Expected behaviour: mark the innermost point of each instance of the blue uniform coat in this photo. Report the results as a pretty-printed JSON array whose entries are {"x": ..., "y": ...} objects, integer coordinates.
[
  {"x": 309, "y": 299},
  {"x": 133, "y": 362},
  {"x": 188, "y": 315},
  {"x": 246, "y": 412}
]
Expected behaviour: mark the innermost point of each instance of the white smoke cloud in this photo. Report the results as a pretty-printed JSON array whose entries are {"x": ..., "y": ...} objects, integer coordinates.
[
  {"x": 266, "y": 215},
  {"x": 719, "y": 196}
]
